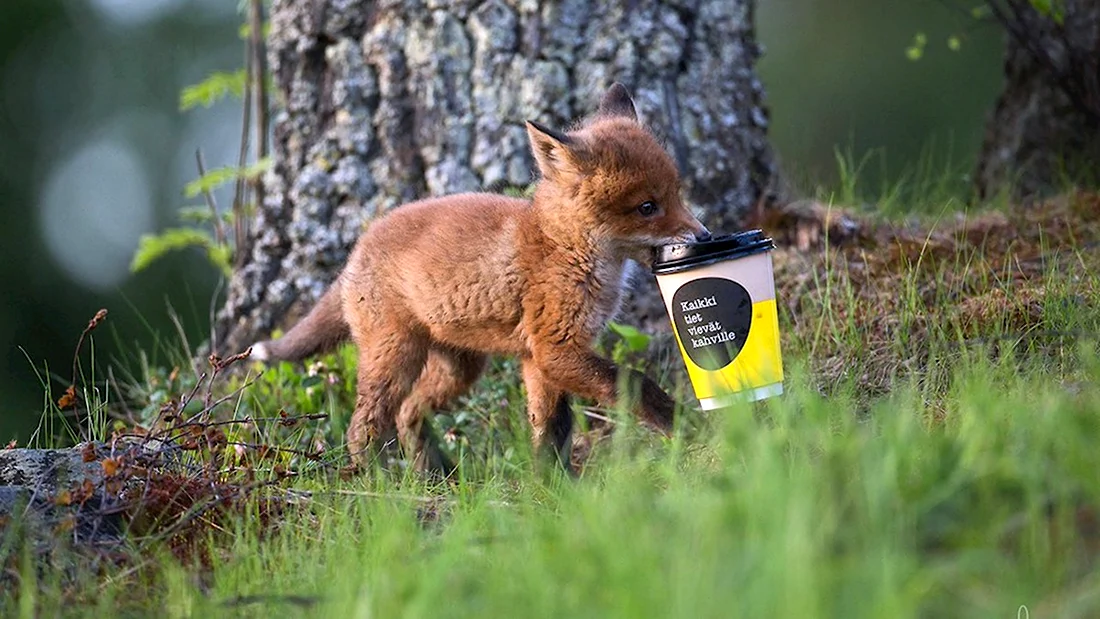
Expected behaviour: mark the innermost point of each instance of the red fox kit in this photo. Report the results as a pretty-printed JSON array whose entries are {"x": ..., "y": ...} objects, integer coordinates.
[{"x": 435, "y": 286}]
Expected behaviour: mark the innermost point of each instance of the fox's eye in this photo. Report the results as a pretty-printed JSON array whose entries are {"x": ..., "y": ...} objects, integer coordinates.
[{"x": 647, "y": 208}]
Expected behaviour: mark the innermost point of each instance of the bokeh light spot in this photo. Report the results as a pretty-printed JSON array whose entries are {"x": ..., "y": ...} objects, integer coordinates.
[{"x": 94, "y": 206}]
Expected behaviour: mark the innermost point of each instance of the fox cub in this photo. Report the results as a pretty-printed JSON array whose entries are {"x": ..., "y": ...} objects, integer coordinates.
[{"x": 435, "y": 286}]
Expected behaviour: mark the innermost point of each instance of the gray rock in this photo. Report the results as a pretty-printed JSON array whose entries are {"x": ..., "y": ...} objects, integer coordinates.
[
  {"x": 46, "y": 471},
  {"x": 30, "y": 482}
]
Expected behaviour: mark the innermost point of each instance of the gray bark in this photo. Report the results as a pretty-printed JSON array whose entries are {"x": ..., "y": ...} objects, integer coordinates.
[
  {"x": 381, "y": 103},
  {"x": 1045, "y": 127}
]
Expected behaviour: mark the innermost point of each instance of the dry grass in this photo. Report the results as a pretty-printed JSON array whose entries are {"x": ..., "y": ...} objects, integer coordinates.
[{"x": 872, "y": 300}]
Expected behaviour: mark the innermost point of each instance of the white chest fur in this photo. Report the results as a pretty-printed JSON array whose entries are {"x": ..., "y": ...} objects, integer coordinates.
[{"x": 611, "y": 281}]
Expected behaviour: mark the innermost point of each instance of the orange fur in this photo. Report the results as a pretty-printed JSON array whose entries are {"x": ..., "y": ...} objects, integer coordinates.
[{"x": 434, "y": 286}]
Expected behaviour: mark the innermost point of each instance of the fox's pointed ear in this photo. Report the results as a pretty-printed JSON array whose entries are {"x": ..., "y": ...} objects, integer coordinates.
[
  {"x": 559, "y": 155},
  {"x": 617, "y": 102}
]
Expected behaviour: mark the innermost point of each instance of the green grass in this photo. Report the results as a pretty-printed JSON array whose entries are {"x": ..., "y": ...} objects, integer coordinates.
[
  {"x": 957, "y": 504},
  {"x": 968, "y": 489}
]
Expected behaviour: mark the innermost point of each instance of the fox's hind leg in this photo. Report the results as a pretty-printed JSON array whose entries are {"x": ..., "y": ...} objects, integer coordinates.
[
  {"x": 447, "y": 374},
  {"x": 390, "y": 360},
  {"x": 550, "y": 415}
]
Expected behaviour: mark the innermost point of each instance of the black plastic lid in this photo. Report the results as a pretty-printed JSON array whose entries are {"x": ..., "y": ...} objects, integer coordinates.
[{"x": 681, "y": 256}]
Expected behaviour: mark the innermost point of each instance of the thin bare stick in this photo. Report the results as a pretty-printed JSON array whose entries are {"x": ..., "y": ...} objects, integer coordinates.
[
  {"x": 216, "y": 403},
  {"x": 291, "y": 419},
  {"x": 259, "y": 72},
  {"x": 588, "y": 412},
  {"x": 99, "y": 317},
  {"x": 240, "y": 190},
  {"x": 70, "y": 397},
  {"x": 219, "y": 232}
]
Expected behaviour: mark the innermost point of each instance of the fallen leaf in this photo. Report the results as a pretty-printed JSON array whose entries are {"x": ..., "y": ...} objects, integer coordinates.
[
  {"x": 68, "y": 399},
  {"x": 110, "y": 467}
]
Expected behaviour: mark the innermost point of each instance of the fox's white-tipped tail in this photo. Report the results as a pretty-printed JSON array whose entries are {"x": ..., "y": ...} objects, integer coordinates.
[
  {"x": 320, "y": 331},
  {"x": 260, "y": 352}
]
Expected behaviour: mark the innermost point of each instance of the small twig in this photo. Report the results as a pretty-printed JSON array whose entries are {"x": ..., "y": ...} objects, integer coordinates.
[
  {"x": 133, "y": 569},
  {"x": 70, "y": 396},
  {"x": 99, "y": 317},
  {"x": 259, "y": 72},
  {"x": 216, "y": 403},
  {"x": 240, "y": 189},
  {"x": 1023, "y": 334},
  {"x": 219, "y": 232},
  {"x": 192, "y": 423},
  {"x": 248, "y": 420},
  {"x": 255, "y": 95},
  {"x": 184, "y": 401},
  {"x": 220, "y": 364},
  {"x": 590, "y": 412}
]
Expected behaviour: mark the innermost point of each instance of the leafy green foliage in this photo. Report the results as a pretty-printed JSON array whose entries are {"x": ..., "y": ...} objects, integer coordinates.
[
  {"x": 214, "y": 88},
  {"x": 220, "y": 176},
  {"x": 1052, "y": 9},
  {"x": 153, "y": 246},
  {"x": 635, "y": 340},
  {"x": 202, "y": 215},
  {"x": 219, "y": 251},
  {"x": 245, "y": 31}
]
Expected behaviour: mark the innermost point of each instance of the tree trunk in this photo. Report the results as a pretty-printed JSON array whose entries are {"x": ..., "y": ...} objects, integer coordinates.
[
  {"x": 1045, "y": 128},
  {"x": 384, "y": 102}
]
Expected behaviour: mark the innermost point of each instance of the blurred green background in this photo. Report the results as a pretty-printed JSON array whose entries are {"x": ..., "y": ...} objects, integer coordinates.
[{"x": 94, "y": 152}]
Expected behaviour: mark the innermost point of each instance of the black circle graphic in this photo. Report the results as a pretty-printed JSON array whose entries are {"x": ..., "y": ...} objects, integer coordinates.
[{"x": 712, "y": 317}]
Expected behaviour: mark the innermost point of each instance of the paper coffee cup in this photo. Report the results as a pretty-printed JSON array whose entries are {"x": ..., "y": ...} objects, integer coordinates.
[{"x": 720, "y": 298}]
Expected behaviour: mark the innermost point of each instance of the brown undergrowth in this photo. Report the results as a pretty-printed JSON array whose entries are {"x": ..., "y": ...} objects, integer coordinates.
[
  {"x": 873, "y": 301},
  {"x": 189, "y": 474}
]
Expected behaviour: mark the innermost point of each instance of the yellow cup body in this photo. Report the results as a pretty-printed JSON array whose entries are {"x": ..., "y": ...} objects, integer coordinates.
[{"x": 726, "y": 323}]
